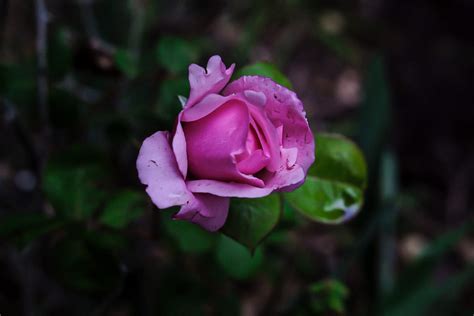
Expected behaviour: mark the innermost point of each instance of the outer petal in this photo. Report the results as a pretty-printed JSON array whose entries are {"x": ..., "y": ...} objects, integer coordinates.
[
  {"x": 280, "y": 180},
  {"x": 283, "y": 108},
  {"x": 228, "y": 189},
  {"x": 208, "y": 211},
  {"x": 157, "y": 168},
  {"x": 206, "y": 81}
]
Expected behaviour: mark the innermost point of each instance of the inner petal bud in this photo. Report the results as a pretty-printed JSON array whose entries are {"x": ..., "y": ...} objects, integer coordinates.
[{"x": 253, "y": 163}]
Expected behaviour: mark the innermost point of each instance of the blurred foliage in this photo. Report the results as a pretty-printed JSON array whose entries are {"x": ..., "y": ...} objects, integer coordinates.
[
  {"x": 86, "y": 240},
  {"x": 176, "y": 54},
  {"x": 122, "y": 209},
  {"x": 328, "y": 295},
  {"x": 264, "y": 69},
  {"x": 416, "y": 291}
]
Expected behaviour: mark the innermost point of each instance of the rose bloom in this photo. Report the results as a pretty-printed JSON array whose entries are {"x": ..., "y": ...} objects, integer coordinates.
[{"x": 245, "y": 139}]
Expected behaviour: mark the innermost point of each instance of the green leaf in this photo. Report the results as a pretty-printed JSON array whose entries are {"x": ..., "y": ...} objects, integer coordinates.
[
  {"x": 236, "y": 260},
  {"x": 339, "y": 159},
  {"x": 126, "y": 63},
  {"x": 265, "y": 69},
  {"x": 125, "y": 207},
  {"x": 75, "y": 192},
  {"x": 190, "y": 237},
  {"x": 251, "y": 220},
  {"x": 175, "y": 54},
  {"x": 333, "y": 191}
]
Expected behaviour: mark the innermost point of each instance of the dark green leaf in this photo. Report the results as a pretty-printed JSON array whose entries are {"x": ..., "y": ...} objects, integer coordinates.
[
  {"x": 265, "y": 69},
  {"x": 75, "y": 192},
  {"x": 190, "y": 237},
  {"x": 126, "y": 63},
  {"x": 333, "y": 191},
  {"x": 175, "y": 54},
  {"x": 251, "y": 220},
  {"x": 236, "y": 260},
  {"x": 339, "y": 159},
  {"x": 125, "y": 207}
]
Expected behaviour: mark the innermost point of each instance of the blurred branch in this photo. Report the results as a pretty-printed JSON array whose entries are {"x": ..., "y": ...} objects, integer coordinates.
[
  {"x": 87, "y": 17},
  {"x": 91, "y": 29},
  {"x": 84, "y": 93},
  {"x": 10, "y": 116},
  {"x": 42, "y": 76},
  {"x": 137, "y": 28},
  {"x": 135, "y": 36}
]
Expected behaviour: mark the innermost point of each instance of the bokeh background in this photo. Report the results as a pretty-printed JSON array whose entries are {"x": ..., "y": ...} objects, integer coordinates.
[{"x": 83, "y": 82}]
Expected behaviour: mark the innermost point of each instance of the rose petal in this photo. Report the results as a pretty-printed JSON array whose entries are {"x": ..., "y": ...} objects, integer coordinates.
[
  {"x": 280, "y": 134},
  {"x": 207, "y": 105},
  {"x": 284, "y": 177},
  {"x": 179, "y": 148},
  {"x": 214, "y": 140},
  {"x": 274, "y": 182},
  {"x": 267, "y": 135},
  {"x": 283, "y": 108},
  {"x": 157, "y": 168},
  {"x": 208, "y": 211},
  {"x": 253, "y": 163},
  {"x": 227, "y": 189},
  {"x": 256, "y": 98},
  {"x": 207, "y": 81},
  {"x": 289, "y": 155}
]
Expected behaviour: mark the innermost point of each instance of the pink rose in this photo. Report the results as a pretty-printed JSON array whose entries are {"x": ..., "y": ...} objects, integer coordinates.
[{"x": 246, "y": 139}]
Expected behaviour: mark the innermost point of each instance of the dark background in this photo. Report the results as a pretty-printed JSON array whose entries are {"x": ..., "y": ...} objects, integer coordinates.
[{"x": 395, "y": 76}]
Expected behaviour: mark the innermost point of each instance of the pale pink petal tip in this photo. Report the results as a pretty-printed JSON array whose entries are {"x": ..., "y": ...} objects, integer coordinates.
[
  {"x": 210, "y": 80},
  {"x": 208, "y": 211}
]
